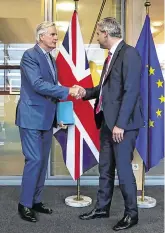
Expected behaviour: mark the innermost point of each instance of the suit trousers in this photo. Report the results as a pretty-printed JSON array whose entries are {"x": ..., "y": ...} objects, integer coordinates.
[
  {"x": 117, "y": 155},
  {"x": 36, "y": 146}
]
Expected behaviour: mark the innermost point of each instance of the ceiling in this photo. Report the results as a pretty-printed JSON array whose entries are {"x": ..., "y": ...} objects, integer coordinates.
[
  {"x": 88, "y": 12},
  {"x": 157, "y": 15},
  {"x": 18, "y": 18}
]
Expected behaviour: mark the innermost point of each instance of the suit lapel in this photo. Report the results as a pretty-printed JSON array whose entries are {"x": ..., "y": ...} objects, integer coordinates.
[
  {"x": 37, "y": 48},
  {"x": 101, "y": 79},
  {"x": 121, "y": 44},
  {"x": 119, "y": 47},
  {"x": 103, "y": 72}
]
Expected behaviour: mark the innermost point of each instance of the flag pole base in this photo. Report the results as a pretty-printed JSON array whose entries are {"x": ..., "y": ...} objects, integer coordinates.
[
  {"x": 148, "y": 202},
  {"x": 73, "y": 201}
]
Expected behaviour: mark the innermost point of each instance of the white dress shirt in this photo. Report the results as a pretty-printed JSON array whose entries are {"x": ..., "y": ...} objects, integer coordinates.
[{"x": 111, "y": 51}]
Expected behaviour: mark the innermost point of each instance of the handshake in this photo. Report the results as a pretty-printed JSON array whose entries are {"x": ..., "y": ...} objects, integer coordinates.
[{"x": 77, "y": 91}]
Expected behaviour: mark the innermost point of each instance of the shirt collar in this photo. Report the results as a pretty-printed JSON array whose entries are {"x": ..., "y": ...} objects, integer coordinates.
[
  {"x": 43, "y": 50},
  {"x": 114, "y": 47}
]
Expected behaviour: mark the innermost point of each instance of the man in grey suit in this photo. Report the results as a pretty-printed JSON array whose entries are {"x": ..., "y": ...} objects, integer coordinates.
[
  {"x": 35, "y": 116},
  {"x": 118, "y": 115}
]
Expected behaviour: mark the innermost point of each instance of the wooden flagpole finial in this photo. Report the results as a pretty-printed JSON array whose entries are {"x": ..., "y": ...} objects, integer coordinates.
[
  {"x": 76, "y": 5},
  {"x": 147, "y": 4}
]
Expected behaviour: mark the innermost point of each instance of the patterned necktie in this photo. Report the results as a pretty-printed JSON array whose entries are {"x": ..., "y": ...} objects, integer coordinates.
[
  {"x": 107, "y": 62},
  {"x": 48, "y": 57},
  {"x": 108, "y": 58}
]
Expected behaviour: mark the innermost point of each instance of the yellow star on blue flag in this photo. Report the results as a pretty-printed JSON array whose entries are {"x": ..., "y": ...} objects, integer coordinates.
[
  {"x": 159, "y": 83},
  {"x": 150, "y": 142},
  {"x": 151, "y": 71}
]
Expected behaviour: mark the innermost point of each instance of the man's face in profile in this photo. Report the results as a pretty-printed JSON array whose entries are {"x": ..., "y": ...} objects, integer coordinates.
[
  {"x": 101, "y": 38},
  {"x": 50, "y": 38}
]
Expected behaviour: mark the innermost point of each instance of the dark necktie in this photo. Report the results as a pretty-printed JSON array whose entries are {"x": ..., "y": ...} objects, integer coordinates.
[{"x": 49, "y": 59}]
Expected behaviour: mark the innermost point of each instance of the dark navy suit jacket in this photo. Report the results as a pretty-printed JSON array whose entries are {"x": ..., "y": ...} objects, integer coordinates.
[
  {"x": 39, "y": 92},
  {"x": 122, "y": 104}
]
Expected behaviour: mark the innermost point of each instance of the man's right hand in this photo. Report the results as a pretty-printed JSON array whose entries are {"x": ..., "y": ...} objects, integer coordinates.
[
  {"x": 77, "y": 91},
  {"x": 73, "y": 91},
  {"x": 81, "y": 92}
]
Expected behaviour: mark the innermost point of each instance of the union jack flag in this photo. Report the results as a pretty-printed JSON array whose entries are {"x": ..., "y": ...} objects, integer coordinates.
[{"x": 80, "y": 142}]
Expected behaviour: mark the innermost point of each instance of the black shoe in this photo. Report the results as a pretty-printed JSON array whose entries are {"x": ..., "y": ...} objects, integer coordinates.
[
  {"x": 26, "y": 213},
  {"x": 95, "y": 213},
  {"x": 40, "y": 207},
  {"x": 125, "y": 223}
]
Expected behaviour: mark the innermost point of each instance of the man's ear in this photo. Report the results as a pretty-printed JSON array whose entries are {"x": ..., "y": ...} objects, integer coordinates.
[
  {"x": 41, "y": 37},
  {"x": 105, "y": 34}
]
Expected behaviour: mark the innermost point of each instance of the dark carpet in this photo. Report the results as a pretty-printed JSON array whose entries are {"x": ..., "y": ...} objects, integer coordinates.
[{"x": 65, "y": 219}]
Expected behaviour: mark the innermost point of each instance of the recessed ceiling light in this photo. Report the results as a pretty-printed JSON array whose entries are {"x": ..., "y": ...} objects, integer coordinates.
[
  {"x": 63, "y": 29},
  {"x": 66, "y": 6},
  {"x": 157, "y": 23},
  {"x": 153, "y": 29},
  {"x": 62, "y": 25}
]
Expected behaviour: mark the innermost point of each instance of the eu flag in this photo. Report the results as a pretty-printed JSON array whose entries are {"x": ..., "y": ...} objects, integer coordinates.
[{"x": 150, "y": 142}]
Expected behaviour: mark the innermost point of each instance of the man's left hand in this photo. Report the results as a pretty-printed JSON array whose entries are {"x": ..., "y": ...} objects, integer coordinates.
[
  {"x": 62, "y": 126},
  {"x": 117, "y": 134}
]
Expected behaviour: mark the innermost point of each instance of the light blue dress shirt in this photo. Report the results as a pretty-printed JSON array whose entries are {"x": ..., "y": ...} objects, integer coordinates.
[{"x": 47, "y": 55}]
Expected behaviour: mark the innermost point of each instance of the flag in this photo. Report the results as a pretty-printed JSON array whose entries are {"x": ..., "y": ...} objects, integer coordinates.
[
  {"x": 150, "y": 142},
  {"x": 80, "y": 142}
]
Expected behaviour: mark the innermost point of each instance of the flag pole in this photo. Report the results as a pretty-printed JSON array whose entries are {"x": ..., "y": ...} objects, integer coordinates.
[
  {"x": 145, "y": 201},
  {"x": 78, "y": 200},
  {"x": 78, "y": 190},
  {"x": 147, "y": 5},
  {"x": 76, "y": 5},
  {"x": 143, "y": 182}
]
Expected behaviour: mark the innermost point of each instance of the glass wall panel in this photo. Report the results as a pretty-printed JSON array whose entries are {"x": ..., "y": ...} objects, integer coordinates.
[
  {"x": 88, "y": 12},
  {"x": 18, "y": 19}
]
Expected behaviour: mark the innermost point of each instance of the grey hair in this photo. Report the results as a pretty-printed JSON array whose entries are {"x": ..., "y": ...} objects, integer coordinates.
[
  {"x": 110, "y": 25},
  {"x": 42, "y": 28}
]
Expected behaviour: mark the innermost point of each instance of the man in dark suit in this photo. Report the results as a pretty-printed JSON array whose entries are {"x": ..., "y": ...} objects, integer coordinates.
[
  {"x": 118, "y": 112},
  {"x": 35, "y": 117}
]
